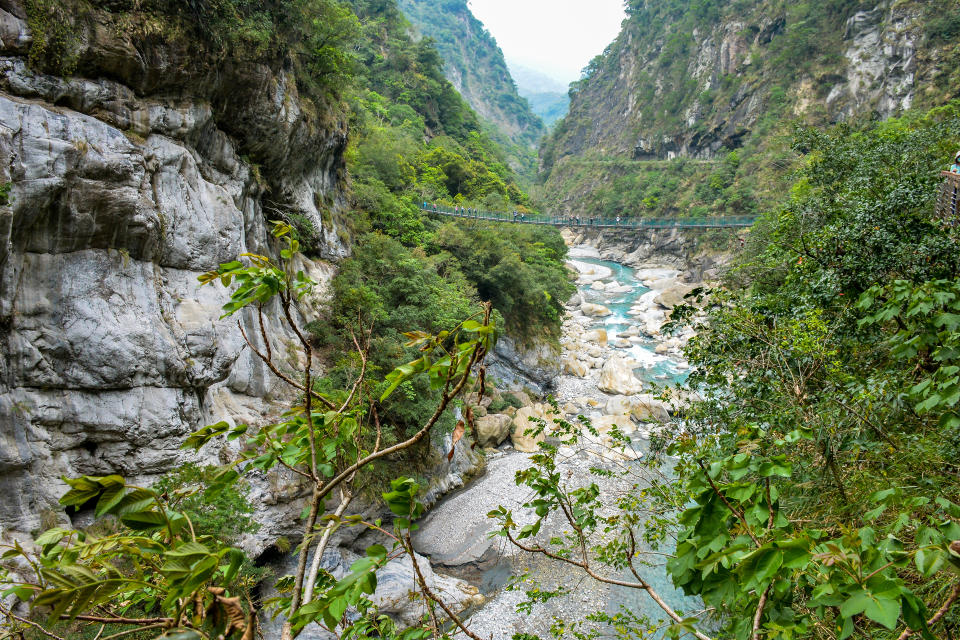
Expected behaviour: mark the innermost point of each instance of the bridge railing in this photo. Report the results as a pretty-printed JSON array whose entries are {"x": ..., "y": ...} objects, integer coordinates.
[
  {"x": 947, "y": 203},
  {"x": 595, "y": 222}
]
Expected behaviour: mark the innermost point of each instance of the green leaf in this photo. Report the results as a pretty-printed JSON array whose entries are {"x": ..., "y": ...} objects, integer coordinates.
[
  {"x": 915, "y": 614},
  {"x": 885, "y": 611},
  {"x": 929, "y": 561},
  {"x": 855, "y": 604}
]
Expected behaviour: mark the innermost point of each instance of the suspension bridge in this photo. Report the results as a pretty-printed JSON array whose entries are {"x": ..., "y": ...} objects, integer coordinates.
[{"x": 721, "y": 222}]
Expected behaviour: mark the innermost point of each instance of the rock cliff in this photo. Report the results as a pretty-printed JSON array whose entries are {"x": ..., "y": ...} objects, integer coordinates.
[
  {"x": 146, "y": 166},
  {"x": 685, "y": 81}
]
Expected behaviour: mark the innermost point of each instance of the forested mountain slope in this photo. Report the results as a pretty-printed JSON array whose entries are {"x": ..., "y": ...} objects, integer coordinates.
[
  {"x": 699, "y": 80},
  {"x": 475, "y": 65},
  {"x": 148, "y": 142}
]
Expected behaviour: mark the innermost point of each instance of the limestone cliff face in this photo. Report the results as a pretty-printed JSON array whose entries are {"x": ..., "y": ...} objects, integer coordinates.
[
  {"x": 129, "y": 178},
  {"x": 684, "y": 81}
]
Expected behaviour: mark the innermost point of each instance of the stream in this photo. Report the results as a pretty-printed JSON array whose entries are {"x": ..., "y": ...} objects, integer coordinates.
[{"x": 455, "y": 534}]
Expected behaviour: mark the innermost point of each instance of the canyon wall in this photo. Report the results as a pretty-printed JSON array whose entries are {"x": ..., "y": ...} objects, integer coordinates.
[{"x": 144, "y": 167}]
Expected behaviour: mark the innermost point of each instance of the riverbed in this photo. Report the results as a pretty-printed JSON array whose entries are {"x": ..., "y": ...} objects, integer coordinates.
[{"x": 455, "y": 535}]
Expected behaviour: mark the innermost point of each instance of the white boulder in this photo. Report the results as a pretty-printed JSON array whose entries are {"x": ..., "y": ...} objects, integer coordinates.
[
  {"x": 616, "y": 377},
  {"x": 595, "y": 310}
]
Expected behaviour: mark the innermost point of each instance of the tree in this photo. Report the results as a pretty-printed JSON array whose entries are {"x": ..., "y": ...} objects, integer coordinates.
[{"x": 814, "y": 490}]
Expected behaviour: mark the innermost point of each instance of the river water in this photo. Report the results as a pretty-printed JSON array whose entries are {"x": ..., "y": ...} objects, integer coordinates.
[{"x": 456, "y": 532}]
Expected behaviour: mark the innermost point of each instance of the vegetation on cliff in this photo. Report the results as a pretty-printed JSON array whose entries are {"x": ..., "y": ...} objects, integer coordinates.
[
  {"x": 160, "y": 563},
  {"x": 415, "y": 140},
  {"x": 654, "y": 120},
  {"x": 475, "y": 65}
]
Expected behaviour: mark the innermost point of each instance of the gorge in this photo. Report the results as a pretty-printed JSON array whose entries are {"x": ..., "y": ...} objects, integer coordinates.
[{"x": 252, "y": 387}]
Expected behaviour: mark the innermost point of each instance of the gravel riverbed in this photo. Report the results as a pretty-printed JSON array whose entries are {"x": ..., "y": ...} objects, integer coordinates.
[{"x": 611, "y": 349}]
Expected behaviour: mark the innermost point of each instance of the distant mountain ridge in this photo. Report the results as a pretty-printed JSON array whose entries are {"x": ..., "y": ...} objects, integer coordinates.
[
  {"x": 548, "y": 98},
  {"x": 476, "y": 67}
]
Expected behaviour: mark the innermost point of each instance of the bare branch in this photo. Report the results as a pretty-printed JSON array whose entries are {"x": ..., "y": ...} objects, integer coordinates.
[
  {"x": 132, "y": 631},
  {"x": 641, "y": 584},
  {"x": 430, "y": 594},
  {"x": 273, "y": 368},
  {"x": 29, "y": 623}
]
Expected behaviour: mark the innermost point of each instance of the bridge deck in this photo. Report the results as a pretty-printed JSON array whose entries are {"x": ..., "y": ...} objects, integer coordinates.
[{"x": 725, "y": 222}]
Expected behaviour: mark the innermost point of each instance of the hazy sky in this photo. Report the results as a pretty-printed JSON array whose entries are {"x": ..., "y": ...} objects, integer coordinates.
[{"x": 556, "y": 37}]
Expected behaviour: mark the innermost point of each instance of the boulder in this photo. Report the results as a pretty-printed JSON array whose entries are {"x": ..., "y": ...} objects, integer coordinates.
[
  {"x": 575, "y": 367},
  {"x": 620, "y": 406},
  {"x": 522, "y": 396},
  {"x": 646, "y": 408},
  {"x": 598, "y": 286},
  {"x": 594, "y": 352},
  {"x": 595, "y": 310},
  {"x": 643, "y": 408},
  {"x": 617, "y": 378},
  {"x": 571, "y": 409},
  {"x": 478, "y": 410},
  {"x": 604, "y": 424},
  {"x": 528, "y": 443},
  {"x": 491, "y": 430},
  {"x": 599, "y": 336},
  {"x": 673, "y": 296}
]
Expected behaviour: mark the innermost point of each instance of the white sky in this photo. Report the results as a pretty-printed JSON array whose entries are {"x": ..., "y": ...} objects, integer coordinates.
[{"x": 556, "y": 37}]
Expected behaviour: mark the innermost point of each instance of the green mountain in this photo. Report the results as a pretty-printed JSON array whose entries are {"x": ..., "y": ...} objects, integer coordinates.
[
  {"x": 655, "y": 121},
  {"x": 474, "y": 64}
]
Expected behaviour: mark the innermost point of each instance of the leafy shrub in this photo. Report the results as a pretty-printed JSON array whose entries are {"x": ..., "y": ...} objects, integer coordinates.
[{"x": 224, "y": 514}]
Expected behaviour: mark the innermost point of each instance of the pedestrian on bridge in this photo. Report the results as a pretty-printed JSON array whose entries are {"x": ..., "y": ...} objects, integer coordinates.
[
  {"x": 955, "y": 167},
  {"x": 618, "y": 219}
]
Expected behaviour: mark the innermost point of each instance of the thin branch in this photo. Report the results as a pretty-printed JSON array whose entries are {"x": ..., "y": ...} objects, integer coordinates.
[
  {"x": 942, "y": 611},
  {"x": 642, "y": 585},
  {"x": 759, "y": 615},
  {"x": 345, "y": 499},
  {"x": 132, "y": 631},
  {"x": 735, "y": 512},
  {"x": 651, "y": 592},
  {"x": 448, "y": 396},
  {"x": 263, "y": 332},
  {"x": 30, "y": 623},
  {"x": 120, "y": 620},
  {"x": 432, "y": 596},
  {"x": 273, "y": 368}
]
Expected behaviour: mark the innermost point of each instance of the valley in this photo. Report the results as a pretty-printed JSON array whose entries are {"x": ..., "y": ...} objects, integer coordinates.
[{"x": 320, "y": 320}]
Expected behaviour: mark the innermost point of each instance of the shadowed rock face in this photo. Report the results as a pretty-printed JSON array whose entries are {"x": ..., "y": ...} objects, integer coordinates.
[{"x": 128, "y": 180}]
